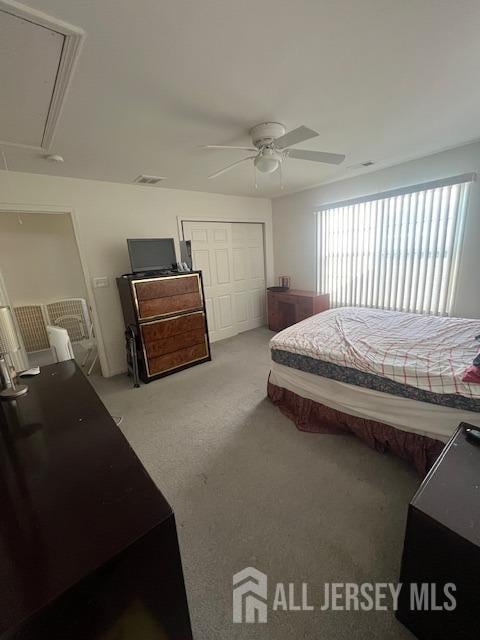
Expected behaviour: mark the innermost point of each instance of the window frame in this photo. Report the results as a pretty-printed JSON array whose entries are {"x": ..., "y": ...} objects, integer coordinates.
[{"x": 461, "y": 179}]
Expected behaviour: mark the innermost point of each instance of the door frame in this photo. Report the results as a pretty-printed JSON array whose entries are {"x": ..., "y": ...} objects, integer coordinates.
[{"x": 69, "y": 211}]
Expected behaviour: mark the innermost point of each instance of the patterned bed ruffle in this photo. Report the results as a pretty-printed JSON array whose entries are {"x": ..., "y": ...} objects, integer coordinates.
[
  {"x": 314, "y": 417},
  {"x": 372, "y": 381}
]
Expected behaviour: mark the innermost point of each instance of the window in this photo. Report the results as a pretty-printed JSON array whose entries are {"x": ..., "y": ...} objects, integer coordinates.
[{"x": 396, "y": 250}]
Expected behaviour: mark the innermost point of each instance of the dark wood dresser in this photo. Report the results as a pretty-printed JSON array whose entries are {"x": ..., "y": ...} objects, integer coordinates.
[
  {"x": 88, "y": 544},
  {"x": 289, "y": 307},
  {"x": 442, "y": 545},
  {"x": 167, "y": 314}
]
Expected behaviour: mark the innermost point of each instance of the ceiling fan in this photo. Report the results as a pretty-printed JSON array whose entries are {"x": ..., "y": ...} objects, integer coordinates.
[{"x": 272, "y": 146}]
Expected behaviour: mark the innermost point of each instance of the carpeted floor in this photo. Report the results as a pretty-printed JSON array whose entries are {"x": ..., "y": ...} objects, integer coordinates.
[{"x": 249, "y": 489}]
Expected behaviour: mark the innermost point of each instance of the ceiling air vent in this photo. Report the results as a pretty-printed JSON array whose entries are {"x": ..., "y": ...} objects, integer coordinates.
[
  {"x": 150, "y": 180},
  {"x": 367, "y": 163}
]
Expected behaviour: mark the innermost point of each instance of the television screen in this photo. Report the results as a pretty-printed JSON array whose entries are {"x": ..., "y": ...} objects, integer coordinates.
[{"x": 151, "y": 254}]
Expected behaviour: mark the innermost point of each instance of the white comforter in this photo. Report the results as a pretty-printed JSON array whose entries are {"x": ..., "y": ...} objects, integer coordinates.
[{"x": 426, "y": 352}]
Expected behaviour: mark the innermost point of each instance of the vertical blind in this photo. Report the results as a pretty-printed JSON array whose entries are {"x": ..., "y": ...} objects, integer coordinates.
[{"x": 397, "y": 250}]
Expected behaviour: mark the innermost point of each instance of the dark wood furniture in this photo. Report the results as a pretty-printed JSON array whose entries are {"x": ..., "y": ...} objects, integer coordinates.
[
  {"x": 289, "y": 307},
  {"x": 88, "y": 544},
  {"x": 442, "y": 544},
  {"x": 168, "y": 317}
]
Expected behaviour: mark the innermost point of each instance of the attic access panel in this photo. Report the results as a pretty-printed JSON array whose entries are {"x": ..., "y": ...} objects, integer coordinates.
[{"x": 37, "y": 55}]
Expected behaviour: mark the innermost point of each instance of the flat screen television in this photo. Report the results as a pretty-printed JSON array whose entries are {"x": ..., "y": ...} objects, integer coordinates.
[{"x": 151, "y": 254}]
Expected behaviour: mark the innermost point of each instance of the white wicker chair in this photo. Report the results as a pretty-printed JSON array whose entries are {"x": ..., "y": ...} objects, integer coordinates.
[{"x": 31, "y": 322}]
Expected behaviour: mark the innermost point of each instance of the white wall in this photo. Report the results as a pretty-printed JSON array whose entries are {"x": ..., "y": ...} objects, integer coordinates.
[
  {"x": 39, "y": 258},
  {"x": 294, "y": 222},
  {"x": 105, "y": 214}
]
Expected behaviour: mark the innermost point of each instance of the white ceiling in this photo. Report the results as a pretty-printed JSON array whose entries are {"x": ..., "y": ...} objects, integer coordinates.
[{"x": 381, "y": 80}]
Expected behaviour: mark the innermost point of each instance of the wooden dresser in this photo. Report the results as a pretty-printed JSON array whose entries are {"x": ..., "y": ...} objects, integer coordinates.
[
  {"x": 88, "y": 544},
  {"x": 167, "y": 315},
  {"x": 289, "y": 307}
]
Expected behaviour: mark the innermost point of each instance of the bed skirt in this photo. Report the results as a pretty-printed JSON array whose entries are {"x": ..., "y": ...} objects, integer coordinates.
[{"x": 314, "y": 417}]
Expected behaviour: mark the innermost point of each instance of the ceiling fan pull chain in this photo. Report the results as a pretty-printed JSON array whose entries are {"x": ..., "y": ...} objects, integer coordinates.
[{"x": 255, "y": 176}]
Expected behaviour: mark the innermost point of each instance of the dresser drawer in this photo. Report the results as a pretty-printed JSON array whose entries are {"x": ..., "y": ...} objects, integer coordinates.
[
  {"x": 174, "y": 343},
  {"x": 164, "y": 287},
  {"x": 168, "y": 305},
  {"x": 177, "y": 359},
  {"x": 160, "y": 329},
  {"x": 286, "y": 298}
]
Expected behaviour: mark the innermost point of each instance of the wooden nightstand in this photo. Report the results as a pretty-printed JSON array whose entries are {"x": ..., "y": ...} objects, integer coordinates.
[
  {"x": 289, "y": 307},
  {"x": 442, "y": 544}
]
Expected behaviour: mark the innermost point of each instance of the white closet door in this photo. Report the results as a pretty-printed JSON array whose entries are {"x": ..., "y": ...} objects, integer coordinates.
[
  {"x": 248, "y": 275},
  {"x": 212, "y": 254},
  {"x": 231, "y": 257}
]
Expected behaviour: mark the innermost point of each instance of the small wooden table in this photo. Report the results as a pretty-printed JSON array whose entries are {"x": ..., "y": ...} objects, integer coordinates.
[{"x": 289, "y": 307}]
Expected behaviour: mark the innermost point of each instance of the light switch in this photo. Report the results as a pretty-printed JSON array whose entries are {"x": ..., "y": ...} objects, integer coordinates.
[{"x": 101, "y": 283}]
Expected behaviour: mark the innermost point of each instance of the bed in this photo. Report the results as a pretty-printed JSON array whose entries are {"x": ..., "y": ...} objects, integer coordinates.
[{"x": 393, "y": 379}]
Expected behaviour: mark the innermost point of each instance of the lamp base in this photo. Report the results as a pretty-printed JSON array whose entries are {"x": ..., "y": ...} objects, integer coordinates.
[{"x": 12, "y": 393}]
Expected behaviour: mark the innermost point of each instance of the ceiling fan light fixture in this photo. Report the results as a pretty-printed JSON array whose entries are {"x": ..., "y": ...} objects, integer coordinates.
[{"x": 267, "y": 162}]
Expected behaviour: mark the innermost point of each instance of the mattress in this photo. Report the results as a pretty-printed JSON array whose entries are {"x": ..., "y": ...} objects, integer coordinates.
[
  {"x": 412, "y": 356},
  {"x": 422, "y": 418}
]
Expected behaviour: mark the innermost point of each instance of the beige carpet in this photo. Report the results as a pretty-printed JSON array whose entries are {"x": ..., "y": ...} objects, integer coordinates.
[{"x": 248, "y": 488}]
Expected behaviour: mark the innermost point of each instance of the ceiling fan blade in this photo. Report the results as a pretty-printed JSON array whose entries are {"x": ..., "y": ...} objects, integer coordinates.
[
  {"x": 226, "y": 146},
  {"x": 230, "y": 166},
  {"x": 300, "y": 134},
  {"x": 316, "y": 156}
]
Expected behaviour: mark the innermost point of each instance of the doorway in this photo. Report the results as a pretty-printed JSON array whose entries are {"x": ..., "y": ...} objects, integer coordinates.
[
  {"x": 231, "y": 257},
  {"x": 44, "y": 285}
]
